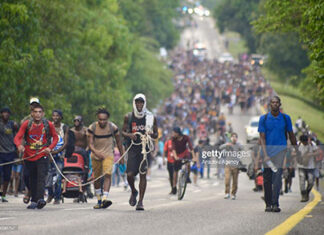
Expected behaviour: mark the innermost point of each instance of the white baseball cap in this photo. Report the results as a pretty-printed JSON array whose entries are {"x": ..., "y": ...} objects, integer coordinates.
[{"x": 34, "y": 100}]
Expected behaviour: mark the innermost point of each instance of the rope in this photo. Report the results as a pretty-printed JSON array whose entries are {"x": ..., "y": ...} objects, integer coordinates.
[
  {"x": 21, "y": 159},
  {"x": 145, "y": 139}
]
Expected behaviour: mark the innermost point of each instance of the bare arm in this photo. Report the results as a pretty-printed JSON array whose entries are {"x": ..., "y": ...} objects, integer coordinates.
[
  {"x": 125, "y": 130},
  {"x": 155, "y": 133},
  {"x": 263, "y": 146},
  {"x": 119, "y": 145}
]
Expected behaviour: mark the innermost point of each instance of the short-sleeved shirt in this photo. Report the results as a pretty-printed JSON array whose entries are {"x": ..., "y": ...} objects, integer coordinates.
[
  {"x": 274, "y": 129},
  {"x": 181, "y": 146},
  {"x": 168, "y": 149},
  {"x": 304, "y": 149},
  {"x": 103, "y": 138},
  {"x": 7, "y": 137}
]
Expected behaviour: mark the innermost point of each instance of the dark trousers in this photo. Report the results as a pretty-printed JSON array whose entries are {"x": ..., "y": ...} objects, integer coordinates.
[
  {"x": 170, "y": 170},
  {"x": 37, "y": 176},
  {"x": 272, "y": 181}
]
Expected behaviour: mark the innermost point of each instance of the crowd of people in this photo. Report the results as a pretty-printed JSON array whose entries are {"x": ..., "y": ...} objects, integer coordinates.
[{"x": 189, "y": 121}]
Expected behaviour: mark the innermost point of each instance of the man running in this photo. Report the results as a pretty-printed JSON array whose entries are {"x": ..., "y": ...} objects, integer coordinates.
[
  {"x": 8, "y": 128},
  {"x": 140, "y": 120},
  {"x": 101, "y": 135},
  {"x": 273, "y": 129},
  {"x": 37, "y": 134},
  {"x": 58, "y": 154},
  {"x": 181, "y": 148}
]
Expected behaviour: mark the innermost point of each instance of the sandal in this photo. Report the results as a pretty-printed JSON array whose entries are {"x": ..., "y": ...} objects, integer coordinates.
[{"x": 26, "y": 199}]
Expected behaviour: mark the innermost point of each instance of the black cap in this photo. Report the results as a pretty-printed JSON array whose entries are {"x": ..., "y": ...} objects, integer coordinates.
[
  {"x": 177, "y": 130},
  {"x": 59, "y": 112},
  {"x": 140, "y": 99},
  {"x": 5, "y": 109}
]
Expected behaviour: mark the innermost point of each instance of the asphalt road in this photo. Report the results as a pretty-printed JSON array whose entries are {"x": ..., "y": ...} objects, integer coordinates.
[{"x": 202, "y": 211}]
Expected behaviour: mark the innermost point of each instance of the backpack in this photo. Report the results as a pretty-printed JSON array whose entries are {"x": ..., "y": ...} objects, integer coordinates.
[
  {"x": 105, "y": 136},
  {"x": 47, "y": 131},
  {"x": 285, "y": 118}
]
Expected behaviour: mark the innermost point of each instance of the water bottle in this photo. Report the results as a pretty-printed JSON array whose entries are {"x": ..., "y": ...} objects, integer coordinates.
[{"x": 272, "y": 166}]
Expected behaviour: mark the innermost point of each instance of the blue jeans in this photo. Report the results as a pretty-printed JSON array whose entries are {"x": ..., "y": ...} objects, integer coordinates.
[
  {"x": 272, "y": 181},
  {"x": 115, "y": 175},
  {"x": 56, "y": 189}
]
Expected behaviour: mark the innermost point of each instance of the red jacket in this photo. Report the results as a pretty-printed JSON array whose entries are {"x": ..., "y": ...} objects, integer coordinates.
[{"x": 35, "y": 133}]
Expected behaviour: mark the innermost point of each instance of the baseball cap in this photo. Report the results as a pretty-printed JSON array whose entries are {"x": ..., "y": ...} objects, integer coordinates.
[{"x": 34, "y": 100}]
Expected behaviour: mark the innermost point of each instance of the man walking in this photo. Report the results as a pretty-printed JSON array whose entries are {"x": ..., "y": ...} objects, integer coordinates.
[
  {"x": 8, "y": 128},
  {"x": 54, "y": 191},
  {"x": 101, "y": 144},
  {"x": 37, "y": 133},
  {"x": 231, "y": 166},
  {"x": 140, "y": 120},
  {"x": 273, "y": 129}
]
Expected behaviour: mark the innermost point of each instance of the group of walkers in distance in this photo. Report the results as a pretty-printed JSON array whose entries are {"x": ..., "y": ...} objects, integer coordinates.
[{"x": 64, "y": 161}]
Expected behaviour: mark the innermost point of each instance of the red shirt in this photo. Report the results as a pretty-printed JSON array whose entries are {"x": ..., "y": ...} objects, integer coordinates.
[
  {"x": 35, "y": 133},
  {"x": 168, "y": 149},
  {"x": 180, "y": 146}
]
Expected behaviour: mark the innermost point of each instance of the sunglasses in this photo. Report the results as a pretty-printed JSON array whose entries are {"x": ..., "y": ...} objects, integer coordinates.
[{"x": 76, "y": 120}]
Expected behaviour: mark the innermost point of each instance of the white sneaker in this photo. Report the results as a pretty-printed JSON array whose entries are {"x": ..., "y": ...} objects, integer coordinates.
[
  {"x": 233, "y": 197},
  {"x": 227, "y": 196}
]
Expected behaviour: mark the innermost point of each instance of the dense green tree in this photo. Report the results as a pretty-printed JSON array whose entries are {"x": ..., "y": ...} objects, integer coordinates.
[
  {"x": 236, "y": 15},
  {"x": 79, "y": 55},
  {"x": 306, "y": 18},
  {"x": 285, "y": 56}
]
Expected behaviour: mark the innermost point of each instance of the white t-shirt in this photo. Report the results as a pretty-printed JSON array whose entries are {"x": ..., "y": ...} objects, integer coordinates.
[{"x": 304, "y": 149}]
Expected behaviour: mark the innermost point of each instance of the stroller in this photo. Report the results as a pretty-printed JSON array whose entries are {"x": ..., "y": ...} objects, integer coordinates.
[{"x": 75, "y": 169}]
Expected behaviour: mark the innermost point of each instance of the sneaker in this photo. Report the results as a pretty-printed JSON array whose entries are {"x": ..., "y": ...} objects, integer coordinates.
[
  {"x": 49, "y": 199},
  {"x": 106, "y": 203},
  {"x": 32, "y": 205},
  {"x": 227, "y": 196},
  {"x": 268, "y": 209},
  {"x": 139, "y": 206},
  {"x": 41, "y": 203},
  {"x": 233, "y": 197},
  {"x": 276, "y": 209},
  {"x": 3, "y": 199},
  {"x": 97, "y": 206},
  {"x": 132, "y": 199}
]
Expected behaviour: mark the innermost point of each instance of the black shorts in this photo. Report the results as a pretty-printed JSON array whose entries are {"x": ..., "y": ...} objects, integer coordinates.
[{"x": 134, "y": 160}]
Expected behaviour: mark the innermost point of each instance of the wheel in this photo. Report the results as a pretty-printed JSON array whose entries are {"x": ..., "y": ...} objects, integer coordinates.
[{"x": 182, "y": 184}]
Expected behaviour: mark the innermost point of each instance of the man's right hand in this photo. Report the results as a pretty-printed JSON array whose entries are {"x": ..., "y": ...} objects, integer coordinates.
[
  {"x": 132, "y": 136},
  {"x": 21, "y": 149},
  {"x": 100, "y": 156}
]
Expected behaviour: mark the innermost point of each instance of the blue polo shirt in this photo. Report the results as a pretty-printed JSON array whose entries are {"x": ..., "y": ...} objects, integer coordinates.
[{"x": 274, "y": 129}]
